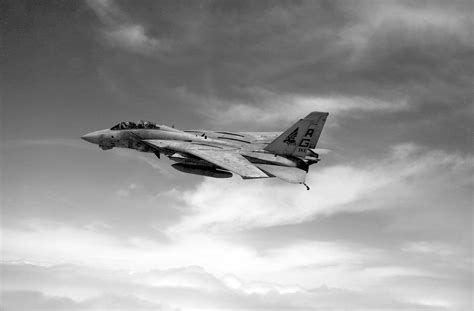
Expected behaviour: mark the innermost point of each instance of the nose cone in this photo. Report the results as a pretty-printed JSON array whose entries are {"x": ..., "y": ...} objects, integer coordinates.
[{"x": 91, "y": 137}]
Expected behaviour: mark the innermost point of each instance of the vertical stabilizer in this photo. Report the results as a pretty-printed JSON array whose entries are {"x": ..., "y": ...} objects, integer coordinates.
[{"x": 303, "y": 135}]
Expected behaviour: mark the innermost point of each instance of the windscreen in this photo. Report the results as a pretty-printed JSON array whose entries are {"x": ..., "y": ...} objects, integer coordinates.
[{"x": 128, "y": 125}]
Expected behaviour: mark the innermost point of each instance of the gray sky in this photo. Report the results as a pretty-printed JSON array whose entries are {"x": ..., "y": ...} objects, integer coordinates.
[{"x": 386, "y": 225}]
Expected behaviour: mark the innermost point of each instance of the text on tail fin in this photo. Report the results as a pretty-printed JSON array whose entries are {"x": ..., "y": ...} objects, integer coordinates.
[{"x": 300, "y": 137}]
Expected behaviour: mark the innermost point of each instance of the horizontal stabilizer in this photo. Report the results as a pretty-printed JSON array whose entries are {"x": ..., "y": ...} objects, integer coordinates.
[{"x": 290, "y": 174}]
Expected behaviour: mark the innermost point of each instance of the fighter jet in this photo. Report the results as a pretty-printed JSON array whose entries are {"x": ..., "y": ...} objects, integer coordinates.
[{"x": 219, "y": 154}]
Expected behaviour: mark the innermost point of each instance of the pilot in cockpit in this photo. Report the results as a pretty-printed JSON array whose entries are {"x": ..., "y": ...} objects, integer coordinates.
[{"x": 127, "y": 125}]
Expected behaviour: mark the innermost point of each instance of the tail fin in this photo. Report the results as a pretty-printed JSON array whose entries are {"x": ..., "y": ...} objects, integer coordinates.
[{"x": 303, "y": 135}]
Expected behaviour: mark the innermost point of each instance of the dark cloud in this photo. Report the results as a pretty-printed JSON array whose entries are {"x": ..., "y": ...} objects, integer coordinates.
[
  {"x": 397, "y": 52},
  {"x": 390, "y": 74}
]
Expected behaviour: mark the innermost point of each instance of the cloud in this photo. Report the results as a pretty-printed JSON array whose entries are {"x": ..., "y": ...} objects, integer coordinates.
[
  {"x": 119, "y": 30},
  {"x": 242, "y": 204},
  {"x": 133, "y": 38},
  {"x": 302, "y": 264},
  {"x": 404, "y": 63},
  {"x": 386, "y": 224},
  {"x": 189, "y": 262},
  {"x": 441, "y": 250},
  {"x": 413, "y": 25},
  {"x": 27, "y": 285},
  {"x": 409, "y": 176},
  {"x": 267, "y": 108},
  {"x": 126, "y": 192},
  {"x": 30, "y": 300}
]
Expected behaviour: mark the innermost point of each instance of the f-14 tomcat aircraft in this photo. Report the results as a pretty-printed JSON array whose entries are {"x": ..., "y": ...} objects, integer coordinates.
[{"x": 218, "y": 154}]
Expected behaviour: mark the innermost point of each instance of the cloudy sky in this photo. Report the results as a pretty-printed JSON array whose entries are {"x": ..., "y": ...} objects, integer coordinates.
[{"x": 387, "y": 225}]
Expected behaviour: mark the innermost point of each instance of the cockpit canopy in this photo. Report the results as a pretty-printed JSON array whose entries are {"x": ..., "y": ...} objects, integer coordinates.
[{"x": 128, "y": 125}]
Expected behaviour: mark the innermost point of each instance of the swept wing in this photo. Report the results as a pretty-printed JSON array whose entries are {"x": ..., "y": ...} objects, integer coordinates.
[
  {"x": 225, "y": 157},
  {"x": 289, "y": 174}
]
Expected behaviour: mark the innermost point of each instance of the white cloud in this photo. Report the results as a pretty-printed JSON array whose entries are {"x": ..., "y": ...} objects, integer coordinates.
[
  {"x": 133, "y": 38},
  {"x": 269, "y": 108},
  {"x": 450, "y": 20},
  {"x": 26, "y": 286},
  {"x": 121, "y": 31},
  {"x": 202, "y": 261},
  {"x": 302, "y": 265},
  {"x": 442, "y": 250},
  {"x": 20, "y": 300},
  {"x": 415, "y": 24},
  {"x": 243, "y": 204},
  {"x": 255, "y": 203},
  {"x": 394, "y": 271},
  {"x": 188, "y": 277},
  {"x": 203, "y": 238},
  {"x": 127, "y": 191},
  {"x": 233, "y": 282}
]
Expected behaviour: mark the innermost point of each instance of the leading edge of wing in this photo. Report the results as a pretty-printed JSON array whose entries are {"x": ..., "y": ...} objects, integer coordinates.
[{"x": 227, "y": 158}]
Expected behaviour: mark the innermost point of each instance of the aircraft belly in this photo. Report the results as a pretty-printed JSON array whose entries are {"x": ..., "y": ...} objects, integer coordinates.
[{"x": 268, "y": 158}]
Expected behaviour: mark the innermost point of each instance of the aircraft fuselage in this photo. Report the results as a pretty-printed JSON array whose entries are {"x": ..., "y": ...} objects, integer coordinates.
[
  {"x": 220, "y": 154},
  {"x": 250, "y": 145}
]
